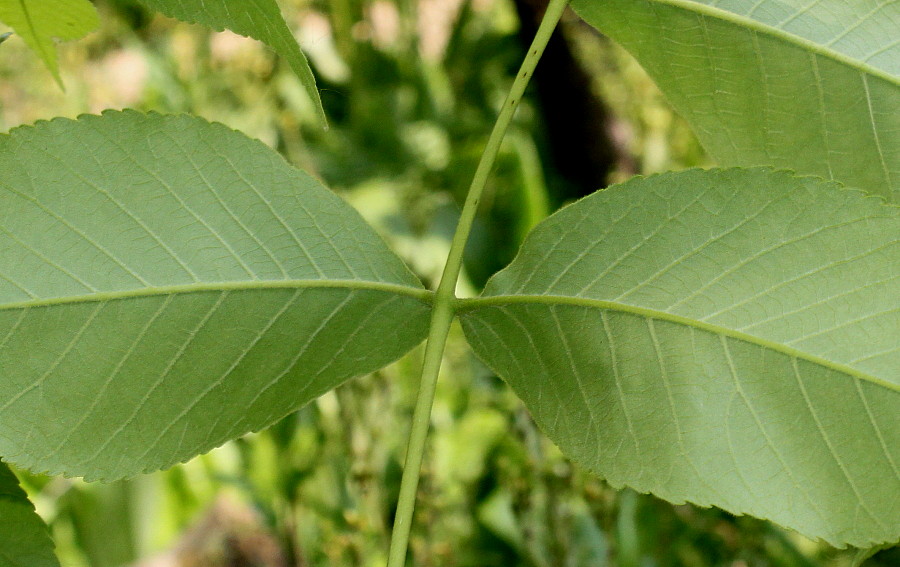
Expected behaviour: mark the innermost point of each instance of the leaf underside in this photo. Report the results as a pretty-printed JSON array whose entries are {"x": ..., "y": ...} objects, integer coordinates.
[
  {"x": 725, "y": 337},
  {"x": 808, "y": 86},
  {"x": 38, "y": 22},
  {"x": 259, "y": 19},
  {"x": 167, "y": 284},
  {"x": 24, "y": 538}
]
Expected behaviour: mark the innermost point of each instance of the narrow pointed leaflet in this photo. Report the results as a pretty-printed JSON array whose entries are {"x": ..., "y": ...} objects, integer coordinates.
[
  {"x": 259, "y": 19},
  {"x": 39, "y": 22},
  {"x": 725, "y": 337},
  {"x": 167, "y": 284},
  {"x": 808, "y": 86}
]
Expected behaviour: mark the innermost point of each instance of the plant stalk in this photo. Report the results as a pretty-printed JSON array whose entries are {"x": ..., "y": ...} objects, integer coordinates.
[{"x": 444, "y": 308}]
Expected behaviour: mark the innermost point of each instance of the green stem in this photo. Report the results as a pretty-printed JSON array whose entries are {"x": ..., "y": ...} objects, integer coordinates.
[{"x": 444, "y": 309}]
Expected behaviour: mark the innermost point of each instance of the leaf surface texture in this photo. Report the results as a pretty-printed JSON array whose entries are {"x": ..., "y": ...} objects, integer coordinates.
[
  {"x": 808, "y": 86},
  {"x": 259, "y": 19},
  {"x": 167, "y": 284},
  {"x": 38, "y": 22},
  {"x": 725, "y": 337},
  {"x": 24, "y": 538}
]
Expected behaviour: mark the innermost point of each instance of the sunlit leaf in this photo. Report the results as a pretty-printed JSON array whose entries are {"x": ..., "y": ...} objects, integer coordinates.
[
  {"x": 259, "y": 19},
  {"x": 726, "y": 337},
  {"x": 167, "y": 284},
  {"x": 39, "y": 22}
]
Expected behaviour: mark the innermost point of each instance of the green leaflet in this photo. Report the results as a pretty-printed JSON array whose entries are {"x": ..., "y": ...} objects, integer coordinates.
[
  {"x": 38, "y": 22},
  {"x": 24, "y": 539},
  {"x": 726, "y": 337},
  {"x": 167, "y": 284},
  {"x": 259, "y": 19},
  {"x": 809, "y": 86}
]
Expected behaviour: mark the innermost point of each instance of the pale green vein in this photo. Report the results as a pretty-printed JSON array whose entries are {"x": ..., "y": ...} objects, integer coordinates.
[
  {"x": 224, "y": 376},
  {"x": 770, "y": 443},
  {"x": 89, "y": 412},
  {"x": 224, "y": 205},
  {"x": 250, "y": 285},
  {"x": 162, "y": 377},
  {"x": 301, "y": 352},
  {"x": 108, "y": 195},
  {"x": 617, "y": 378},
  {"x": 468, "y": 305},
  {"x": 579, "y": 379},
  {"x": 173, "y": 191},
  {"x": 754, "y": 25},
  {"x": 39, "y": 383},
  {"x": 875, "y": 135},
  {"x": 78, "y": 232},
  {"x": 667, "y": 385}
]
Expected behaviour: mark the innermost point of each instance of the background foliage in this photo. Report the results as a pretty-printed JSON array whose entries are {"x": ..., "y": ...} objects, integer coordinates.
[{"x": 411, "y": 90}]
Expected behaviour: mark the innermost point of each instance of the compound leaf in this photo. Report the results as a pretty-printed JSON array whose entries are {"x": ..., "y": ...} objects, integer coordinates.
[
  {"x": 726, "y": 337},
  {"x": 38, "y": 22},
  {"x": 259, "y": 19},
  {"x": 808, "y": 86},
  {"x": 24, "y": 538},
  {"x": 167, "y": 284}
]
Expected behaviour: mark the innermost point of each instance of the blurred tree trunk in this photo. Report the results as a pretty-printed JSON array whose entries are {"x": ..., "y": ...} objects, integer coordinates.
[{"x": 577, "y": 122}]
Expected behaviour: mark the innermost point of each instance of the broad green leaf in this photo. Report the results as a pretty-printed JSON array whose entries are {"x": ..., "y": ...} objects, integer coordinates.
[
  {"x": 259, "y": 19},
  {"x": 38, "y": 22},
  {"x": 167, "y": 284},
  {"x": 726, "y": 337},
  {"x": 808, "y": 86},
  {"x": 24, "y": 539}
]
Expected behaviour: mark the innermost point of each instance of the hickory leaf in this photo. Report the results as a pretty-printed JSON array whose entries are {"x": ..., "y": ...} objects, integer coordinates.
[
  {"x": 809, "y": 86},
  {"x": 167, "y": 284},
  {"x": 724, "y": 337},
  {"x": 24, "y": 539},
  {"x": 39, "y": 22},
  {"x": 259, "y": 19}
]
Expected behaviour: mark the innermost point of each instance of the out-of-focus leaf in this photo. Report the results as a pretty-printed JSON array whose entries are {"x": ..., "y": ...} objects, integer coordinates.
[
  {"x": 861, "y": 555},
  {"x": 39, "y": 22},
  {"x": 259, "y": 19},
  {"x": 808, "y": 86}
]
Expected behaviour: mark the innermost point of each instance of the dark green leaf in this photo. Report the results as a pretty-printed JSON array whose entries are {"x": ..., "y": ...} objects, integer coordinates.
[{"x": 24, "y": 540}]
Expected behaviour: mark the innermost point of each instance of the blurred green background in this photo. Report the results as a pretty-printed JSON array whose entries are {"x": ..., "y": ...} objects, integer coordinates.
[{"x": 412, "y": 88}]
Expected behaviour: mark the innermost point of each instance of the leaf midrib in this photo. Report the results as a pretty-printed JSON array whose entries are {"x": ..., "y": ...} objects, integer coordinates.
[
  {"x": 465, "y": 305},
  {"x": 34, "y": 32},
  {"x": 420, "y": 294},
  {"x": 800, "y": 41}
]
